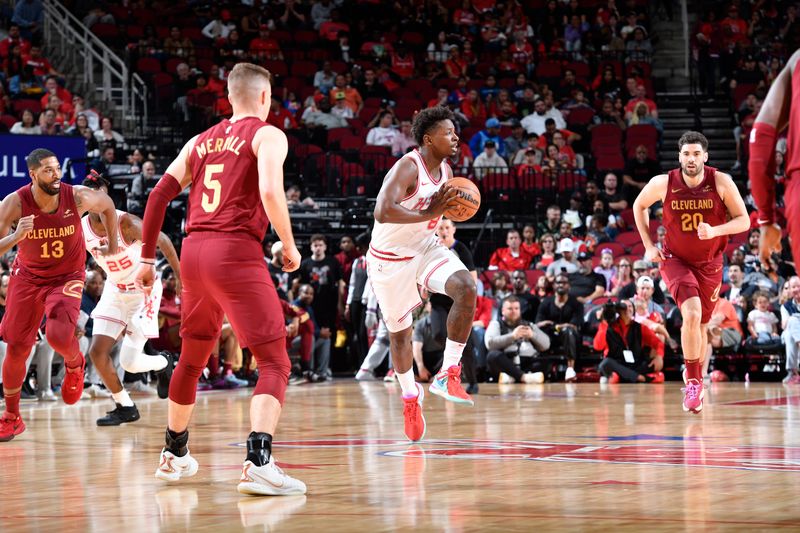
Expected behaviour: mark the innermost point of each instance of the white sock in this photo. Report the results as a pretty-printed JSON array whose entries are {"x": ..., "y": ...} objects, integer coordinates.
[
  {"x": 123, "y": 398},
  {"x": 452, "y": 353},
  {"x": 407, "y": 383}
]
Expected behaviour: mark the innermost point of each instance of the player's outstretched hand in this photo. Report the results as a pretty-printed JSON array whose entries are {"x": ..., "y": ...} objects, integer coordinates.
[
  {"x": 291, "y": 259},
  {"x": 24, "y": 225},
  {"x": 769, "y": 243},
  {"x": 145, "y": 277},
  {"x": 441, "y": 200},
  {"x": 706, "y": 231},
  {"x": 653, "y": 255}
]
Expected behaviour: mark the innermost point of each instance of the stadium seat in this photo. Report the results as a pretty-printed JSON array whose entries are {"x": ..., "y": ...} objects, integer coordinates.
[
  {"x": 606, "y": 135},
  {"x": 8, "y": 121},
  {"x": 106, "y": 32},
  {"x": 533, "y": 276},
  {"x": 580, "y": 68},
  {"x": 645, "y": 134},
  {"x": 351, "y": 142},
  {"x": 21, "y": 105},
  {"x": 580, "y": 116},
  {"x": 335, "y": 135},
  {"x": 148, "y": 65},
  {"x": 637, "y": 250},
  {"x": 305, "y": 38},
  {"x": 628, "y": 238},
  {"x": 303, "y": 69},
  {"x": 548, "y": 70},
  {"x": 627, "y": 216}
]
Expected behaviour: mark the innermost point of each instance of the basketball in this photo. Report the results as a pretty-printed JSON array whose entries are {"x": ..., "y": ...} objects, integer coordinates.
[{"x": 466, "y": 204}]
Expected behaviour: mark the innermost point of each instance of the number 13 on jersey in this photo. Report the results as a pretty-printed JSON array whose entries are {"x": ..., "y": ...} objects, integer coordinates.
[{"x": 212, "y": 198}]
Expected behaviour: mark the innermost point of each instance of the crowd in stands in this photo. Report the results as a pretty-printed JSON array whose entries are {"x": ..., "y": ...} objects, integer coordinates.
[
  {"x": 555, "y": 98},
  {"x": 739, "y": 48}
]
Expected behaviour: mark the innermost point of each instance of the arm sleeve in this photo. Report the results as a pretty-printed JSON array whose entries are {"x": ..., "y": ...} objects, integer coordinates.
[
  {"x": 600, "y": 344},
  {"x": 761, "y": 170},
  {"x": 166, "y": 189}
]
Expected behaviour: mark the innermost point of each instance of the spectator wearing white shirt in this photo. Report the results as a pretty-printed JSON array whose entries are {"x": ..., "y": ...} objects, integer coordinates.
[
  {"x": 341, "y": 109},
  {"x": 534, "y": 123},
  {"x": 488, "y": 160},
  {"x": 404, "y": 140},
  {"x": 383, "y": 134},
  {"x": 325, "y": 79},
  {"x": 26, "y": 126},
  {"x": 221, "y": 27}
]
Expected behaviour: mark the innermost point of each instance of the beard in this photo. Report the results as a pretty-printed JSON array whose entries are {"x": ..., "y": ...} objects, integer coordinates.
[
  {"x": 562, "y": 291},
  {"x": 698, "y": 169},
  {"x": 49, "y": 189}
]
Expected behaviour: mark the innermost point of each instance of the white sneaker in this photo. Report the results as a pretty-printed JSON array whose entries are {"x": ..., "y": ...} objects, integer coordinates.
[
  {"x": 570, "y": 375},
  {"x": 139, "y": 387},
  {"x": 47, "y": 396},
  {"x": 268, "y": 480},
  {"x": 172, "y": 468},
  {"x": 533, "y": 377},
  {"x": 95, "y": 391},
  {"x": 603, "y": 380},
  {"x": 505, "y": 379},
  {"x": 365, "y": 375}
]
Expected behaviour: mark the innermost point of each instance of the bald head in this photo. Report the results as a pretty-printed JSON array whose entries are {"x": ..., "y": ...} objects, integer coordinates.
[{"x": 249, "y": 89}]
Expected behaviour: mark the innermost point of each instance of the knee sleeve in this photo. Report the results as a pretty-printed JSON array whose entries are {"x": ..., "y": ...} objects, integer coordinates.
[
  {"x": 133, "y": 359},
  {"x": 194, "y": 356},
  {"x": 273, "y": 368},
  {"x": 60, "y": 334}
]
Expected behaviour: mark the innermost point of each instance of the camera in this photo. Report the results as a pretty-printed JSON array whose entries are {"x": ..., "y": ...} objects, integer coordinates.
[{"x": 611, "y": 311}]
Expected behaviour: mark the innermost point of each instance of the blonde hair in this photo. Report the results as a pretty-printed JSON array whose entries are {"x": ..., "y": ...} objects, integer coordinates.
[{"x": 247, "y": 76}]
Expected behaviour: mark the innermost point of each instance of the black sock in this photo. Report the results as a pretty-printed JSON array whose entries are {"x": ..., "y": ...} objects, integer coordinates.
[
  {"x": 177, "y": 442},
  {"x": 259, "y": 448}
]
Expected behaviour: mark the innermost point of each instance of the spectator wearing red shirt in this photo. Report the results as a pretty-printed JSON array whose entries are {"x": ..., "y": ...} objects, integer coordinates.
[
  {"x": 14, "y": 39},
  {"x": 330, "y": 29},
  {"x": 455, "y": 66},
  {"x": 402, "y": 62},
  {"x": 52, "y": 88},
  {"x": 625, "y": 345},
  {"x": 734, "y": 29},
  {"x": 279, "y": 116},
  {"x": 513, "y": 257},
  {"x": 41, "y": 66},
  {"x": 347, "y": 255},
  {"x": 473, "y": 108},
  {"x": 641, "y": 96},
  {"x": 465, "y": 16},
  {"x": 529, "y": 243},
  {"x": 442, "y": 95},
  {"x": 265, "y": 47},
  {"x": 521, "y": 53},
  {"x": 529, "y": 166}
]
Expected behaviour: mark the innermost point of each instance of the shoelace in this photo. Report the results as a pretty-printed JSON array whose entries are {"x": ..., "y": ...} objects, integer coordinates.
[
  {"x": 454, "y": 375},
  {"x": 692, "y": 390}
]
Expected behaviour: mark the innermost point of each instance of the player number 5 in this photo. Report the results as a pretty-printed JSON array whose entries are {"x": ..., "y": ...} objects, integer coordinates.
[
  {"x": 211, "y": 201},
  {"x": 689, "y": 221}
]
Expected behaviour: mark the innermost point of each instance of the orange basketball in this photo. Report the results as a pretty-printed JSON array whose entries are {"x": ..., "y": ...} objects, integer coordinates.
[{"x": 466, "y": 204}]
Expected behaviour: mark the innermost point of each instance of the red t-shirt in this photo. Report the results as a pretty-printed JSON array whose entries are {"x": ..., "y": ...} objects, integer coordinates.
[
  {"x": 504, "y": 259},
  {"x": 282, "y": 120},
  {"x": 483, "y": 310}
]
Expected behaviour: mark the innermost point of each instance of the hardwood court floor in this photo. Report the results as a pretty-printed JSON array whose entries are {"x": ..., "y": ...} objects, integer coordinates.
[{"x": 525, "y": 458}]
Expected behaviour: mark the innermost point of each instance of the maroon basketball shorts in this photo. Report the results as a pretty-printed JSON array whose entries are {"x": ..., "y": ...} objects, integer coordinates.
[
  {"x": 224, "y": 274},
  {"x": 29, "y": 298},
  {"x": 792, "y": 212},
  {"x": 686, "y": 280}
]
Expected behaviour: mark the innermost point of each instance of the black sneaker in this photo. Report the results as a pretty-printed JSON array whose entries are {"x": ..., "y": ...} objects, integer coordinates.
[
  {"x": 164, "y": 376},
  {"x": 118, "y": 416},
  {"x": 472, "y": 388}
]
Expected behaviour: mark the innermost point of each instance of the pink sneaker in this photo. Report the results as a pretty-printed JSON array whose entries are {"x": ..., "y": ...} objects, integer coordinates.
[{"x": 693, "y": 396}]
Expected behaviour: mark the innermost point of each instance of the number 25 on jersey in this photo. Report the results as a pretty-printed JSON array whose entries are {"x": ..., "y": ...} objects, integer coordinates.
[
  {"x": 690, "y": 221},
  {"x": 212, "y": 198}
]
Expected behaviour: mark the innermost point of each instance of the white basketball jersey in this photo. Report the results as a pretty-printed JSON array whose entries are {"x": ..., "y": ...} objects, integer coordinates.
[
  {"x": 121, "y": 270},
  {"x": 390, "y": 241}
]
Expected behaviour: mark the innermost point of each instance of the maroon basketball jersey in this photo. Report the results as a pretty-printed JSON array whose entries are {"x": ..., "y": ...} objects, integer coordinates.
[
  {"x": 793, "y": 138},
  {"x": 684, "y": 209},
  {"x": 224, "y": 196},
  {"x": 54, "y": 247}
]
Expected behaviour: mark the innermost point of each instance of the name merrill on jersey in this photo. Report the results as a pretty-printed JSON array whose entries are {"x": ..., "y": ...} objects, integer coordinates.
[
  {"x": 230, "y": 144},
  {"x": 51, "y": 233},
  {"x": 692, "y": 205}
]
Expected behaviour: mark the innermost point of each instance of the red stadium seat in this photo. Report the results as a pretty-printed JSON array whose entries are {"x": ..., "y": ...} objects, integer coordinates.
[
  {"x": 637, "y": 250},
  {"x": 548, "y": 70},
  {"x": 106, "y": 31},
  {"x": 629, "y": 238},
  {"x": 351, "y": 142},
  {"x": 606, "y": 134},
  {"x": 21, "y": 105},
  {"x": 616, "y": 65},
  {"x": 148, "y": 65},
  {"x": 413, "y": 38},
  {"x": 419, "y": 86},
  {"x": 306, "y": 38},
  {"x": 627, "y": 216},
  {"x": 335, "y": 135},
  {"x": 304, "y": 150},
  {"x": 610, "y": 162},
  {"x": 580, "y": 68},
  {"x": 580, "y": 116},
  {"x": 644, "y": 134},
  {"x": 8, "y": 121},
  {"x": 303, "y": 69},
  {"x": 277, "y": 68},
  {"x": 533, "y": 276},
  {"x": 403, "y": 93},
  {"x": 172, "y": 63}
]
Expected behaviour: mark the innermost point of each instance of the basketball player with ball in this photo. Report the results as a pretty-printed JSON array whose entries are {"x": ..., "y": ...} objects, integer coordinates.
[{"x": 404, "y": 252}]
